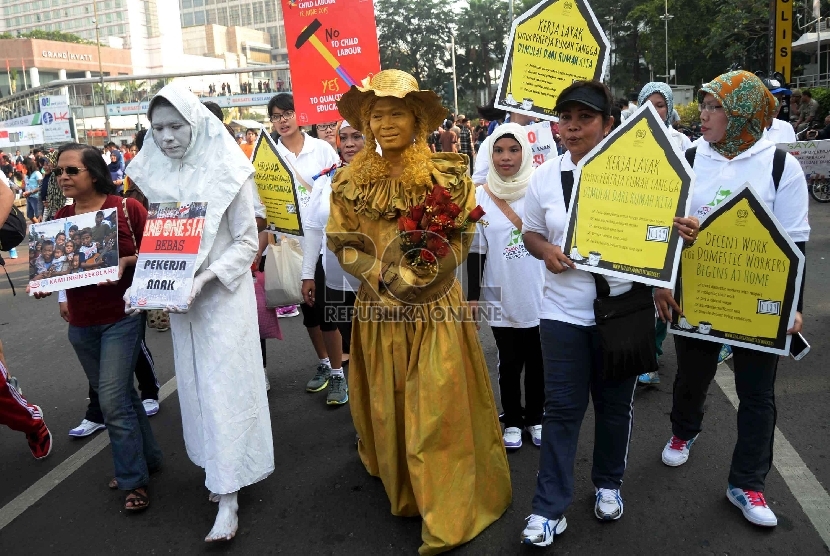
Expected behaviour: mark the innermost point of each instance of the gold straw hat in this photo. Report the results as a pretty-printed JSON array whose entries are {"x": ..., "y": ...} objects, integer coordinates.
[{"x": 390, "y": 83}]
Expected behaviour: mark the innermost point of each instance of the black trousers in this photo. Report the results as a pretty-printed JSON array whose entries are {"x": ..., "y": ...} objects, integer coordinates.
[
  {"x": 145, "y": 372},
  {"x": 697, "y": 362},
  {"x": 520, "y": 348}
]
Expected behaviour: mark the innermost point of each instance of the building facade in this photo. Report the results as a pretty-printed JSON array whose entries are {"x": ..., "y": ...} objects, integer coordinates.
[{"x": 261, "y": 15}]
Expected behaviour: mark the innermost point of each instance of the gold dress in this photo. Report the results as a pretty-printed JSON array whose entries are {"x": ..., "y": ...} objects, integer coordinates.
[{"x": 419, "y": 390}]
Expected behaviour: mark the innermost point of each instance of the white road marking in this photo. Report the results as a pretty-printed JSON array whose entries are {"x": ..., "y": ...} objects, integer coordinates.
[
  {"x": 802, "y": 483},
  {"x": 57, "y": 475}
]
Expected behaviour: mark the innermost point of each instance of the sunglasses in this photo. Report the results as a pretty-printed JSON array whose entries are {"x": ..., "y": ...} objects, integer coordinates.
[{"x": 70, "y": 171}]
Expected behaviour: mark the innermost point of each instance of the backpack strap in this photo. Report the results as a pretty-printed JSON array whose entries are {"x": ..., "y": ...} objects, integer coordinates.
[
  {"x": 567, "y": 178},
  {"x": 690, "y": 156},
  {"x": 779, "y": 159}
]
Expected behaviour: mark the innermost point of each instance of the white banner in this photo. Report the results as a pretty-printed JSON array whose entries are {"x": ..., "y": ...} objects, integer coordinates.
[
  {"x": 541, "y": 142},
  {"x": 21, "y": 136},
  {"x": 56, "y": 126},
  {"x": 814, "y": 156}
]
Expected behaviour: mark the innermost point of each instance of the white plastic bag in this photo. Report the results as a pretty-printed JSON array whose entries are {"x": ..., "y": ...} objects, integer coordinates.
[{"x": 283, "y": 269}]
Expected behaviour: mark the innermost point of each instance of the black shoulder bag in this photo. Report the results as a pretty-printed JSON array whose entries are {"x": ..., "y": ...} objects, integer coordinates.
[{"x": 625, "y": 322}]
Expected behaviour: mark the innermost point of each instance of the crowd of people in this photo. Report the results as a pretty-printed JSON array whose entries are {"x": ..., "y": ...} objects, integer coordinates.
[{"x": 379, "y": 252}]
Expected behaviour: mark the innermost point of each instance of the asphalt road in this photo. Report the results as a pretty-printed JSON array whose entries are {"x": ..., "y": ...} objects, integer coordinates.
[{"x": 321, "y": 501}]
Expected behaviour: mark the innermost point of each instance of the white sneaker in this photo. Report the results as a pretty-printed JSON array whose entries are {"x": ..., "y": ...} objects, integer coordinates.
[
  {"x": 512, "y": 438},
  {"x": 151, "y": 407},
  {"x": 609, "y": 504},
  {"x": 676, "y": 452},
  {"x": 535, "y": 432},
  {"x": 86, "y": 428},
  {"x": 541, "y": 531},
  {"x": 753, "y": 505}
]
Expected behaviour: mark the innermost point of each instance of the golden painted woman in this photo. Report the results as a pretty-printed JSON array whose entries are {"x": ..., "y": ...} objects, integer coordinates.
[{"x": 421, "y": 398}]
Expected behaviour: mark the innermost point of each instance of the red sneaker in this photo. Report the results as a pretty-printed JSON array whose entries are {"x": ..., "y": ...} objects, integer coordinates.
[{"x": 40, "y": 441}]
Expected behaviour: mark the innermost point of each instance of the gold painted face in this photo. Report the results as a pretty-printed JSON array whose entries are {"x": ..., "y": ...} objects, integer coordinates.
[{"x": 392, "y": 124}]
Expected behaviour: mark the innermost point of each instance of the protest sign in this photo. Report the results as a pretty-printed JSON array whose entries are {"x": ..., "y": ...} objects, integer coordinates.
[
  {"x": 332, "y": 45},
  {"x": 739, "y": 284},
  {"x": 551, "y": 45},
  {"x": 72, "y": 252},
  {"x": 627, "y": 192},
  {"x": 541, "y": 142},
  {"x": 814, "y": 156},
  {"x": 167, "y": 262},
  {"x": 277, "y": 190}
]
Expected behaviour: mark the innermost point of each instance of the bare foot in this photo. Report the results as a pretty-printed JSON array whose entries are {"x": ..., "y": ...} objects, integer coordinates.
[
  {"x": 224, "y": 528},
  {"x": 213, "y": 497}
]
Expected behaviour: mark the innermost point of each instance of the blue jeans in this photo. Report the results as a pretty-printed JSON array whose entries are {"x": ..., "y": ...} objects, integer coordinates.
[
  {"x": 108, "y": 354},
  {"x": 573, "y": 368}
]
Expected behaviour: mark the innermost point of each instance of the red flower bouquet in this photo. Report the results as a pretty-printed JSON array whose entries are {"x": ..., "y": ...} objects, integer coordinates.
[{"x": 425, "y": 229}]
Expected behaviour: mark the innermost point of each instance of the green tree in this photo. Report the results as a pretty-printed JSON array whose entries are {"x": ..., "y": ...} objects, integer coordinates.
[
  {"x": 481, "y": 39},
  {"x": 412, "y": 38},
  {"x": 132, "y": 91},
  {"x": 47, "y": 35}
]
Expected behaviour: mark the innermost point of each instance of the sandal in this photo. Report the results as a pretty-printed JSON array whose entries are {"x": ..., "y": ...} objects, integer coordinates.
[
  {"x": 113, "y": 484},
  {"x": 137, "y": 501}
]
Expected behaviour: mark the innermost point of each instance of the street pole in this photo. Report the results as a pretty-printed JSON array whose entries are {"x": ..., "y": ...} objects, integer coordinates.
[
  {"x": 454, "y": 80},
  {"x": 666, "y": 17},
  {"x": 511, "y": 13},
  {"x": 610, "y": 20},
  {"x": 101, "y": 69}
]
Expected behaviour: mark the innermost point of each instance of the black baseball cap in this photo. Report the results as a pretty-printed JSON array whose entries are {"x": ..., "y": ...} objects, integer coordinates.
[{"x": 584, "y": 95}]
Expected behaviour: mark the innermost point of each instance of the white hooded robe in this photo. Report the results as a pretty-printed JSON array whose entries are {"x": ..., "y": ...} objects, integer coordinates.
[{"x": 225, "y": 414}]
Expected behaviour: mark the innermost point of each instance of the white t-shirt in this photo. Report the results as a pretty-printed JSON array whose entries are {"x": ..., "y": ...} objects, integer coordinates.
[
  {"x": 315, "y": 241},
  {"x": 569, "y": 296},
  {"x": 513, "y": 278},
  {"x": 717, "y": 177},
  {"x": 482, "y": 164},
  {"x": 315, "y": 156},
  {"x": 679, "y": 140},
  {"x": 780, "y": 132}
]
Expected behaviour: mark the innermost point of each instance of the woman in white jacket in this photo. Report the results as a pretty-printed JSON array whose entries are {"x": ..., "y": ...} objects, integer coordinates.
[
  {"x": 734, "y": 109},
  {"x": 221, "y": 384}
]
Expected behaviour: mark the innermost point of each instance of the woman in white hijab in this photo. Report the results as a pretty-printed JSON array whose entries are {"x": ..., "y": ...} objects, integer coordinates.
[
  {"x": 507, "y": 282},
  {"x": 225, "y": 416}
]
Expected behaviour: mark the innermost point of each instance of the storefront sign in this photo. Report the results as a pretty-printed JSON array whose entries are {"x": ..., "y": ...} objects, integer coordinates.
[
  {"x": 66, "y": 55},
  {"x": 627, "y": 192},
  {"x": 739, "y": 284}
]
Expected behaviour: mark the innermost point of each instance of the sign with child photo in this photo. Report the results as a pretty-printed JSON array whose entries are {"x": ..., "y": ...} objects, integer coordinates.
[{"x": 72, "y": 252}]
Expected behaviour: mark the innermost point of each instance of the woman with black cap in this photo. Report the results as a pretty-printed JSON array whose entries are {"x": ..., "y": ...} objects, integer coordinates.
[{"x": 571, "y": 349}]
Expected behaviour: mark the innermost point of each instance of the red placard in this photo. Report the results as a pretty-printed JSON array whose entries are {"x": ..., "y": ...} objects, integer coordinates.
[
  {"x": 332, "y": 45},
  {"x": 166, "y": 236}
]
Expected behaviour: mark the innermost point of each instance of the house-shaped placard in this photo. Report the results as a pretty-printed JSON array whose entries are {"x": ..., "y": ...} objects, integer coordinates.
[
  {"x": 627, "y": 192},
  {"x": 739, "y": 284},
  {"x": 553, "y": 44}
]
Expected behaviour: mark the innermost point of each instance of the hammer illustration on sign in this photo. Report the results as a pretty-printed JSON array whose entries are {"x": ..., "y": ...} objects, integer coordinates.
[{"x": 307, "y": 35}]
